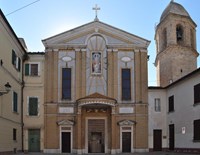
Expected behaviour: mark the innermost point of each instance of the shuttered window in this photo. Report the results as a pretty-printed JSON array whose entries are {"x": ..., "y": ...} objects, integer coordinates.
[
  {"x": 33, "y": 106},
  {"x": 157, "y": 105},
  {"x": 16, "y": 61},
  {"x": 26, "y": 69},
  {"x": 197, "y": 130},
  {"x": 31, "y": 70},
  {"x": 15, "y": 100},
  {"x": 19, "y": 64},
  {"x": 66, "y": 83},
  {"x": 126, "y": 84},
  {"x": 14, "y": 134},
  {"x": 197, "y": 93},
  {"x": 171, "y": 103},
  {"x": 13, "y": 57}
]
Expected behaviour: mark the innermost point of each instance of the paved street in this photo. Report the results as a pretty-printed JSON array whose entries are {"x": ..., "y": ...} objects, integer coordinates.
[{"x": 148, "y": 153}]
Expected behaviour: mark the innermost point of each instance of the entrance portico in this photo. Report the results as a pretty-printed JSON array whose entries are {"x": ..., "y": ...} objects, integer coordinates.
[{"x": 94, "y": 117}]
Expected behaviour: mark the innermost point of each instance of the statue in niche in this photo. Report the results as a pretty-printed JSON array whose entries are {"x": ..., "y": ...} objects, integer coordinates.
[{"x": 96, "y": 63}]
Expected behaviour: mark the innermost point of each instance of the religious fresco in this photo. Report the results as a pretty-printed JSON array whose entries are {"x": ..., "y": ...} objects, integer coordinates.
[{"x": 96, "y": 62}]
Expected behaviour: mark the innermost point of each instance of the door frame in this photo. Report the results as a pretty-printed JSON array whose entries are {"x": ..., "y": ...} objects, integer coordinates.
[
  {"x": 66, "y": 128},
  {"x": 126, "y": 128},
  {"x": 105, "y": 138},
  {"x": 126, "y": 143}
]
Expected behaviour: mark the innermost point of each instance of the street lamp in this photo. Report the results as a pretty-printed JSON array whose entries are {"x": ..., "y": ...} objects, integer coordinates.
[{"x": 7, "y": 89}]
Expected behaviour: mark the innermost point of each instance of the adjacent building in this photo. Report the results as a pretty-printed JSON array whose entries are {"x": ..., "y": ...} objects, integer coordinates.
[
  {"x": 33, "y": 107},
  {"x": 12, "y": 55},
  {"x": 174, "y": 106},
  {"x": 174, "y": 115}
]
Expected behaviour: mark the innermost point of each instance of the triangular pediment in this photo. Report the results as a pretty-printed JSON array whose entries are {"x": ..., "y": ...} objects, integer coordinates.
[
  {"x": 126, "y": 122},
  {"x": 96, "y": 98},
  {"x": 79, "y": 36},
  {"x": 65, "y": 122}
]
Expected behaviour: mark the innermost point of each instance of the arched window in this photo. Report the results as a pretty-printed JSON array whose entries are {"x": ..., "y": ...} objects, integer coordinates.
[{"x": 179, "y": 33}]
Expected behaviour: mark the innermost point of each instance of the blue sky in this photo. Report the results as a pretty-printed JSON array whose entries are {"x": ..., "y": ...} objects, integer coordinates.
[{"x": 45, "y": 18}]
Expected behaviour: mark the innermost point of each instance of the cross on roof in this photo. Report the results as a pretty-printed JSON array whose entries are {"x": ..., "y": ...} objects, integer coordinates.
[{"x": 96, "y": 8}]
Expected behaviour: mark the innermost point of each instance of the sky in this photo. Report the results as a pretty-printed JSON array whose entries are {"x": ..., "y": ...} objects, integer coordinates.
[{"x": 35, "y": 20}]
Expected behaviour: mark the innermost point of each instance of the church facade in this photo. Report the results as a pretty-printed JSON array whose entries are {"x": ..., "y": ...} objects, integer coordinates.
[
  {"x": 96, "y": 97},
  {"x": 88, "y": 93}
]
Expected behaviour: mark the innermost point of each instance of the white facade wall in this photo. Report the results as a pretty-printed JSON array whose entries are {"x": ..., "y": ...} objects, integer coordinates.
[
  {"x": 157, "y": 120},
  {"x": 184, "y": 111},
  {"x": 34, "y": 87}
]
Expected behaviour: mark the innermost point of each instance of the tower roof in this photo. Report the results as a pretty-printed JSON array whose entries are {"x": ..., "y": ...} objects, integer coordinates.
[{"x": 174, "y": 8}]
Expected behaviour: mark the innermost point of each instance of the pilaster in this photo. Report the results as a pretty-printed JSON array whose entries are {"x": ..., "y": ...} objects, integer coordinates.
[
  {"x": 79, "y": 131},
  {"x": 113, "y": 131}
]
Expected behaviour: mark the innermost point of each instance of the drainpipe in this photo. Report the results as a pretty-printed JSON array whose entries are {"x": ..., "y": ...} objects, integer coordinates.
[{"x": 22, "y": 113}]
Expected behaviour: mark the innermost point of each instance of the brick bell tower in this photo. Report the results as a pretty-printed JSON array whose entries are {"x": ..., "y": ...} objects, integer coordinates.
[{"x": 176, "y": 45}]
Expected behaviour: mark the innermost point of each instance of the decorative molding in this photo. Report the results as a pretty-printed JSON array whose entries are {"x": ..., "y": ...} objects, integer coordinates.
[
  {"x": 85, "y": 31},
  {"x": 66, "y": 110},
  {"x": 77, "y": 49},
  {"x": 83, "y": 50},
  {"x": 126, "y": 122},
  {"x": 96, "y": 102},
  {"x": 65, "y": 122},
  {"x": 126, "y": 110}
]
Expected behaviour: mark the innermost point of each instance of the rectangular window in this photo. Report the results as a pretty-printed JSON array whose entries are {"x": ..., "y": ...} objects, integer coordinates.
[
  {"x": 33, "y": 106},
  {"x": 197, "y": 130},
  {"x": 14, "y": 134},
  {"x": 157, "y": 105},
  {"x": 15, "y": 100},
  {"x": 171, "y": 103},
  {"x": 16, "y": 61},
  {"x": 31, "y": 69},
  {"x": 126, "y": 84},
  {"x": 197, "y": 93},
  {"x": 66, "y": 83},
  {"x": 14, "y": 57},
  {"x": 18, "y": 65}
]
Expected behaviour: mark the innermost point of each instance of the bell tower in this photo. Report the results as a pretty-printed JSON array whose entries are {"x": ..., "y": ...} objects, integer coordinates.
[{"x": 176, "y": 45}]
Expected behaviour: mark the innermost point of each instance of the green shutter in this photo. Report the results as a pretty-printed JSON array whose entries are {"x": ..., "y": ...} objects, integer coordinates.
[
  {"x": 19, "y": 64},
  {"x": 26, "y": 69},
  {"x": 15, "y": 98},
  {"x": 13, "y": 57}
]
